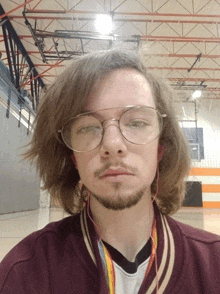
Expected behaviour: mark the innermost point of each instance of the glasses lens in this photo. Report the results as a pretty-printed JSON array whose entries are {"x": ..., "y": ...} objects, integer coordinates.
[
  {"x": 140, "y": 125},
  {"x": 83, "y": 133}
]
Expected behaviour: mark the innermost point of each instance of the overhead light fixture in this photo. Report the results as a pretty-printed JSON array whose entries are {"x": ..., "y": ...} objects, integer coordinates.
[
  {"x": 104, "y": 23},
  {"x": 196, "y": 94}
]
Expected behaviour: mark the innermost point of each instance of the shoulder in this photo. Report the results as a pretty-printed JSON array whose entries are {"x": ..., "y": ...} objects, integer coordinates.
[
  {"x": 197, "y": 255},
  {"x": 198, "y": 245},
  {"x": 40, "y": 245},
  {"x": 55, "y": 230},
  {"x": 195, "y": 234}
]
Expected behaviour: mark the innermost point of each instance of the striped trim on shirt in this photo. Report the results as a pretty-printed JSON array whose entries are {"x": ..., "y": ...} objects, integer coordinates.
[{"x": 166, "y": 265}]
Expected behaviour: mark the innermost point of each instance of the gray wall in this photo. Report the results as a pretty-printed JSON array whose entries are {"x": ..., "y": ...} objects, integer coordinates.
[{"x": 19, "y": 184}]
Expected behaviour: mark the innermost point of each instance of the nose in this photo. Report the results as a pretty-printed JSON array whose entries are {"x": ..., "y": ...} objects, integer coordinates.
[{"x": 113, "y": 143}]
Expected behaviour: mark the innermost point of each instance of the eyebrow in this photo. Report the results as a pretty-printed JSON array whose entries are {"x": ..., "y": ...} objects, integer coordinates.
[{"x": 98, "y": 115}]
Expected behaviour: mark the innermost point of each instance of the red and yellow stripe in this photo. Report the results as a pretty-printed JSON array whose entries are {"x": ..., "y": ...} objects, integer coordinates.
[{"x": 110, "y": 270}]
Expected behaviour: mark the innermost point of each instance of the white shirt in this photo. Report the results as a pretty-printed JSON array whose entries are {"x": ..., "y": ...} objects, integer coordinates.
[{"x": 126, "y": 283}]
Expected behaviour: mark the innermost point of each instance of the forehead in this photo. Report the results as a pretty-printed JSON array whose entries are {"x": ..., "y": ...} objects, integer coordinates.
[{"x": 120, "y": 88}]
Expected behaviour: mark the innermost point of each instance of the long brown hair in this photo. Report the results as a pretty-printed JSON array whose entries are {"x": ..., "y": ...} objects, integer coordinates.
[{"x": 67, "y": 97}]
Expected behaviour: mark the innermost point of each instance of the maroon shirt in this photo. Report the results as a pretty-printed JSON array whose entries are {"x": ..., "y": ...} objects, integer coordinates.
[{"x": 64, "y": 257}]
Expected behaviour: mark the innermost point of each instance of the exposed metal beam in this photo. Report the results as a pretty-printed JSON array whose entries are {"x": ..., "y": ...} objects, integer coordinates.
[
  {"x": 12, "y": 10},
  {"x": 38, "y": 43},
  {"x": 43, "y": 17},
  {"x": 170, "y": 79},
  {"x": 8, "y": 53},
  {"x": 180, "y": 39},
  {"x": 14, "y": 48},
  {"x": 147, "y": 54},
  {"x": 37, "y": 4},
  {"x": 194, "y": 80},
  {"x": 46, "y": 64},
  {"x": 183, "y": 55},
  {"x": 10, "y": 28},
  {"x": 47, "y": 51},
  {"x": 55, "y": 11},
  {"x": 145, "y": 38},
  {"x": 185, "y": 68},
  {"x": 64, "y": 34},
  {"x": 210, "y": 98},
  {"x": 198, "y": 57},
  {"x": 41, "y": 74},
  {"x": 212, "y": 89}
]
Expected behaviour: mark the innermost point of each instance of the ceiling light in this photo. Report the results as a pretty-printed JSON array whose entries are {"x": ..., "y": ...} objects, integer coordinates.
[
  {"x": 197, "y": 94},
  {"x": 103, "y": 23}
]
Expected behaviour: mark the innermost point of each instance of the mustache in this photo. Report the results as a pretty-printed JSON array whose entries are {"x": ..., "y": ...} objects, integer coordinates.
[{"x": 130, "y": 169}]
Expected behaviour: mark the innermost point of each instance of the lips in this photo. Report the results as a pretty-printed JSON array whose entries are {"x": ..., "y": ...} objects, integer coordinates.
[{"x": 115, "y": 172}]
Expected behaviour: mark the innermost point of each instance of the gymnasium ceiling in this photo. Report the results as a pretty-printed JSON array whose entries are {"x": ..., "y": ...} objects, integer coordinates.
[{"x": 179, "y": 39}]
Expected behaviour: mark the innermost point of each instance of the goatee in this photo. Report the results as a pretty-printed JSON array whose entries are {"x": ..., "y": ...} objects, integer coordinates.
[{"x": 120, "y": 202}]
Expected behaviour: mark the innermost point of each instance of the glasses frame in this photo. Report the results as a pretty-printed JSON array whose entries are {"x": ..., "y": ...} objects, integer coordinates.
[{"x": 127, "y": 108}]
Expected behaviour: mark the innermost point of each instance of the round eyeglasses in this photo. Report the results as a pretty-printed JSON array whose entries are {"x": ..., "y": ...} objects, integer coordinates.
[{"x": 138, "y": 125}]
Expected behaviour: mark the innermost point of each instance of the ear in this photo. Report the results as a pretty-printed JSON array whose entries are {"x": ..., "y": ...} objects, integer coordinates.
[
  {"x": 161, "y": 150},
  {"x": 74, "y": 160}
]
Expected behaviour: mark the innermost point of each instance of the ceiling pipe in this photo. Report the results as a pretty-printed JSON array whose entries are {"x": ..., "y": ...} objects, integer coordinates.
[
  {"x": 117, "y": 19},
  {"x": 184, "y": 68},
  {"x": 19, "y": 6},
  {"x": 145, "y": 38},
  {"x": 194, "y": 79},
  {"x": 122, "y": 13},
  {"x": 147, "y": 54}
]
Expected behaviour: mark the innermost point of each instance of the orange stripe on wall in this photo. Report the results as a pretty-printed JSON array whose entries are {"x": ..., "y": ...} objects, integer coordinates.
[
  {"x": 199, "y": 171},
  {"x": 211, "y": 188},
  {"x": 209, "y": 204}
]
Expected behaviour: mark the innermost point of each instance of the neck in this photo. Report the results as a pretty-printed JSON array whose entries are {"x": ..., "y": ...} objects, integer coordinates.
[{"x": 127, "y": 230}]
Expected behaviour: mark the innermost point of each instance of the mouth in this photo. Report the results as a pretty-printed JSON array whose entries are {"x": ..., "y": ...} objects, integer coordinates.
[
  {"x": 115, "y": 176},
  {"x": 115, "y": 173}
]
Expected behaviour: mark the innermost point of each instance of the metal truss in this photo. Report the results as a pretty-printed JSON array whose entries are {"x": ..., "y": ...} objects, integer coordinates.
[
  {"x": 21, "y": 67},
  {"x": 183, "y": 46},
  {"x": 21, "y": 70},
  {"x": 39, "y": 37},
  {"x": 182, "y": 29}
]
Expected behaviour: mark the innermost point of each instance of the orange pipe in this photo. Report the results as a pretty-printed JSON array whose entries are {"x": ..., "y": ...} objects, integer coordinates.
[
  {"x": 19, "y": 6},
  {"x": 194, "y": 79},
  {"x": 183, "y": 68},
  {"x": 163, "y": 55},
  {"x": 37, "y": 4},
  {"x": 180, "y": 39},
  {"x": 41, "y": 74}
]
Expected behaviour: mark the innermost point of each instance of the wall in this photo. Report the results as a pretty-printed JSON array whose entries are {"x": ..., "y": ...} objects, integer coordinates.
[
  {"x": 19, "y": 184},
  {"x": 208, "y": 169}
]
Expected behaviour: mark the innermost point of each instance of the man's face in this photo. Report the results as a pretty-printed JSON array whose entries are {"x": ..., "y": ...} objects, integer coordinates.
[{"x": 135, "y": 164}]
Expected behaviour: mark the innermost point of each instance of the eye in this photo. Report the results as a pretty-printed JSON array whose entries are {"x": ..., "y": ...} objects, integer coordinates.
[
  {"x": 137, "y": 124},
  {"x": 89, "y": 130}
]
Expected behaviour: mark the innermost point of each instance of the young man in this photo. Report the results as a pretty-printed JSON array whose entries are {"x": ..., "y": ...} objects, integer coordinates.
[{"x": 109, "y": 148}]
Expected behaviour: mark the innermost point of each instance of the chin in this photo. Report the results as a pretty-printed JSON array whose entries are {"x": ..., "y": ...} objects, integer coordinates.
[{"x": 119, "y": 201}]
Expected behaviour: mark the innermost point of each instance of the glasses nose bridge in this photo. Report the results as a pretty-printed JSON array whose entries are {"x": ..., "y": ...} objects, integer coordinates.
[{"x": 105, "y": 125}]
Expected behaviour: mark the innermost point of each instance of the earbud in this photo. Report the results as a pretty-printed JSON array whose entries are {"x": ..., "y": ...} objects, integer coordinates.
[
  {"x": 74, "y": 160},
  {"x": 161, "y": 150}
]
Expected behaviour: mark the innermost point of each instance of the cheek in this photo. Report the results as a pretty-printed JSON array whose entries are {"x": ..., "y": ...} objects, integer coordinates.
[
  {"x": 85, "y": 165},
  {"x": 149, "y": 157}
]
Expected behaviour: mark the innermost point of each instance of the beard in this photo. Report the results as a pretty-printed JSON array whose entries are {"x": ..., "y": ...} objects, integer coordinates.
[{"x": 118, "y": 201}]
